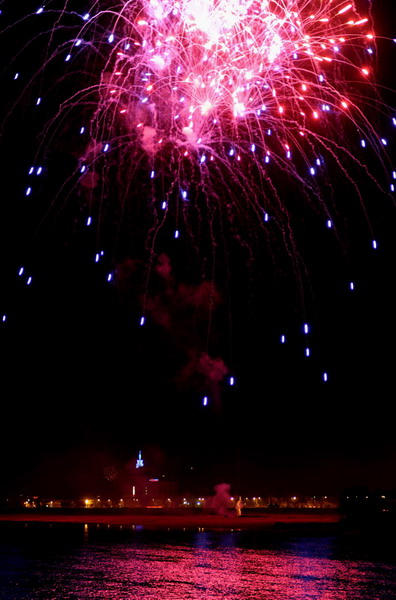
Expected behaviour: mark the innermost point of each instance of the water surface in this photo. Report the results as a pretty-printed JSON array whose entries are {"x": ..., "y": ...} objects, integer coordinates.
[{"x": 59, "y": 562}]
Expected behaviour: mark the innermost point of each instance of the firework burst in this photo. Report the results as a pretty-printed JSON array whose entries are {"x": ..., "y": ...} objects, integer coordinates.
[{"x": 210, "y": 119}]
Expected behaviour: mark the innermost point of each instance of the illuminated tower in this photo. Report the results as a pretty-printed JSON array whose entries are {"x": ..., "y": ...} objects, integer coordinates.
[
  {"x": 143, "y": 487},
  {"x": 139, "y": 462}
]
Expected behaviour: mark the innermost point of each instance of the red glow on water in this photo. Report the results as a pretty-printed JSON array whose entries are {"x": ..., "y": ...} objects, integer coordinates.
[{"x": 203, "y": 565}]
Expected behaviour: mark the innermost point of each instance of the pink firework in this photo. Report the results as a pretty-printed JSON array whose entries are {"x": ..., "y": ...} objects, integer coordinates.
[
  {"x": 198, "y": 73},
  {"x": 195, "y": 100},
  {"x": 207, "y": 96},
  {"x": 215, "y": 120},
  {"x": 215, "y": 104}
]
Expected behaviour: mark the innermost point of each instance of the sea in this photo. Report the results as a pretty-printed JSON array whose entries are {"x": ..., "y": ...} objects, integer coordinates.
[{"x": 43, "y": 561}]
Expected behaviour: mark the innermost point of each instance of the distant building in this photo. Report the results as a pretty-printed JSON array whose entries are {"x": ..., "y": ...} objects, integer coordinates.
[{"x": 143, "y": 488}]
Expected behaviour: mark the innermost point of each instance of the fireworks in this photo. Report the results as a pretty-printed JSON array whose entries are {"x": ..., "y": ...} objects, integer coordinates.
[
  {"x": 219, "y": 117},
  {"x": 233, "y": 82}
]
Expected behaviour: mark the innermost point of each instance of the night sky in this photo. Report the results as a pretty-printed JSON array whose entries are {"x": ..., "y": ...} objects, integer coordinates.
[{"x": 84, "y": 386}]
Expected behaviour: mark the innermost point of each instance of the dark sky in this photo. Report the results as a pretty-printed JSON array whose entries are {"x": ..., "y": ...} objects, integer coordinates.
[{"x": 84, "y": 387}]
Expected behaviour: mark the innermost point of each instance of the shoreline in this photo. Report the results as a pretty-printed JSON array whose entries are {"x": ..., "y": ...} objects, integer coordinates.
[{"x": 270, "y": 521}]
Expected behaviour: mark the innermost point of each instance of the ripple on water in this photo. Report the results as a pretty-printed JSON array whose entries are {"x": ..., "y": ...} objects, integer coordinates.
[{"x": 62, "y": 563}]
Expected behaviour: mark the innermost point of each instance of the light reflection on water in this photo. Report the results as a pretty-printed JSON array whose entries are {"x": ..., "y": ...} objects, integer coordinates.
[{"x": 73, "y": 562}]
